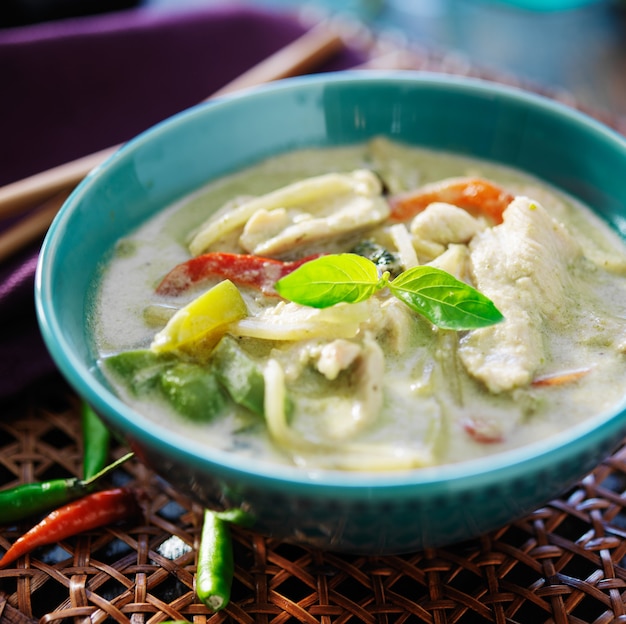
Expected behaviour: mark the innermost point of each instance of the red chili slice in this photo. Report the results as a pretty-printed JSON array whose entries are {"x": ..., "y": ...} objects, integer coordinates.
[{"x": 483, "y": 431}]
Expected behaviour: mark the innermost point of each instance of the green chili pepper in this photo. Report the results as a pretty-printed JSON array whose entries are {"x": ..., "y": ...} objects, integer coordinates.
[
  {"x": 29, "y": 499},
  {"x": 96, "y": 441},
  {"x": 216, "y": 567},
  {"x": 32, "y": 498},
  {"x": 236, "y": 516}
]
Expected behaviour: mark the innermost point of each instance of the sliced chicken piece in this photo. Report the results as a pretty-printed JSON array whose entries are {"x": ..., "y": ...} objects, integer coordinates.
[
  {"x": 336, "y": 356},
  {"x": 444, "y": 224},
  {"x": 523, "y": 266}
]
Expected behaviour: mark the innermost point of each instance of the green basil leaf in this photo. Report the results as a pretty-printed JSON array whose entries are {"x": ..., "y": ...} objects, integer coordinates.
[
  {"x": 331, "y": 279},
  {"x": 445, "y": 301}
]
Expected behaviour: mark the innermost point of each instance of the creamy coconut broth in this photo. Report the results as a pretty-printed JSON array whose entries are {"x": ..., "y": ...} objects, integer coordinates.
[{"x": 371, "y": 385}]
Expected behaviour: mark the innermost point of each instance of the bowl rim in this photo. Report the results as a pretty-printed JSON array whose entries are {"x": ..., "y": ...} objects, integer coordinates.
[{"x": 485, "y": 470}]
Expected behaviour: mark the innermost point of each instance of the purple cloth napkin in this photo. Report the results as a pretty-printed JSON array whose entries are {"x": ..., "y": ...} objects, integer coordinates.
[{"x": 76, "y": 86}]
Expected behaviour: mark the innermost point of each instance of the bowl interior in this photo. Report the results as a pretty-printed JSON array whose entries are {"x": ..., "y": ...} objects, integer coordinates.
[{"x": 469, "y": 117}]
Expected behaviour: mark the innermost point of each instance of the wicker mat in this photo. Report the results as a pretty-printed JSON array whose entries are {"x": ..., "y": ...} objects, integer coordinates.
[{"x": 563, "y": 563}]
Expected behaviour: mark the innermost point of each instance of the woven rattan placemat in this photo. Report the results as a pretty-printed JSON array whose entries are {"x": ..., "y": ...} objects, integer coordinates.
[{"x": 563, "y": 563}]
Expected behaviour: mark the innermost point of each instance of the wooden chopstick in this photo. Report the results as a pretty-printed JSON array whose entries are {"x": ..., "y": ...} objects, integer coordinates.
[
  {"x": 21, "y": 196},
  {"x": 34, "y": 225},
  {"x": 306, "y": 53}
]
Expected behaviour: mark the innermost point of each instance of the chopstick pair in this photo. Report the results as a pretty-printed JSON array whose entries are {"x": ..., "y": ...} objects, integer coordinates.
[{"x": 42, "y": 194}]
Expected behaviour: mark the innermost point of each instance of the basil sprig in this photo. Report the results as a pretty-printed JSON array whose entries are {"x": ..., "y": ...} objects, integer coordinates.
[{"x": 348, "y": 278}]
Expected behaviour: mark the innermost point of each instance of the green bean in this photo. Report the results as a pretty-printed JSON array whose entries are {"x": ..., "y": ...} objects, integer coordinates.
[
  {"x": 96, "y": 442},
  {"x": 215, "y": 567}
]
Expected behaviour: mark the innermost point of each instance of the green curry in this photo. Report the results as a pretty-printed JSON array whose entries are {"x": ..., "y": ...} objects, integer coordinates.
[{"x": 372, "y": 307}]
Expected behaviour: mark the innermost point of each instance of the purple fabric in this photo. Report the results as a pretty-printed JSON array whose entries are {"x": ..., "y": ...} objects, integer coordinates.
[{"x": 75, "y": 86}]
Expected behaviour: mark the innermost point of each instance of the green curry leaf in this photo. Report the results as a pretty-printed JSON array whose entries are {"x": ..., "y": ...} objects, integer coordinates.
[
  {"x": 331, "y": 279},
  {"x": 348, "y": 278},
  {"x": 444, "y": 300}
]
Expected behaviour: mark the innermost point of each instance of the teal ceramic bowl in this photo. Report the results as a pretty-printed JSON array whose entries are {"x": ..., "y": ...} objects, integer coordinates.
[{"x": 350, "y": 512}]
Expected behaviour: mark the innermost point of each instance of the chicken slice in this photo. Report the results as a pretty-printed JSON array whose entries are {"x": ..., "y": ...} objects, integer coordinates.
[
  {"x": 336, "y": 356},
  {"x": 523, "y": 265},
  {"x": 444, "y": 223}
]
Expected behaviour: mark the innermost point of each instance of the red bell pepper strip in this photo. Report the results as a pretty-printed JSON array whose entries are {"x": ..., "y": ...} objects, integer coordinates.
[
  {"x": 87, "y": 513},
  {"x": 475, "y": 195},
  {"x": 248, "y": 270}
]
